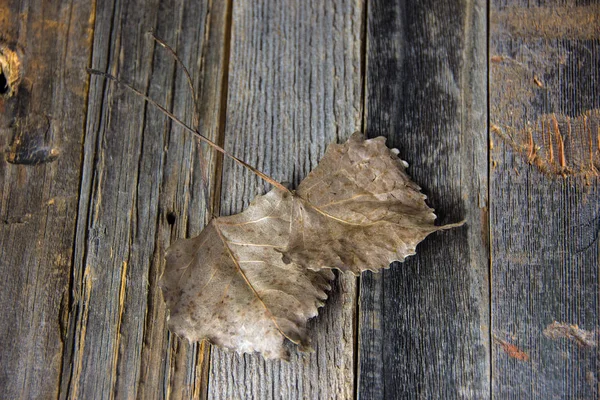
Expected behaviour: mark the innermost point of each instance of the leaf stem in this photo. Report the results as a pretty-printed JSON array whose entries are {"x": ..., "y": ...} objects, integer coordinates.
[
  {"x": 185, "y": 71},
  {"x": 187, "y": 128}
]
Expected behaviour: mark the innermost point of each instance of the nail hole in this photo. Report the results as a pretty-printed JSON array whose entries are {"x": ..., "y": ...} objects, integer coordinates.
[{"x": 171, "y": 217}]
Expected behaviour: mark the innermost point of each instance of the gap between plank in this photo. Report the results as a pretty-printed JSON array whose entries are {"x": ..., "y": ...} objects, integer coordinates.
[
  {"x": 215, "y": 201},
  {"x": 489, "y": 198},
  {"x": 357, "y": 291}
]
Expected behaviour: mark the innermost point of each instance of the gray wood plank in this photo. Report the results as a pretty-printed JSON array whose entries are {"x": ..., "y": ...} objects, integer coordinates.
[
  {"x": 41, "y": 134},
  {"x": 424, "y": 324},
  {"x": 142, "y": 187},
  {"x": 294, "y": 87},
  {"x": 544, "y": 69}
]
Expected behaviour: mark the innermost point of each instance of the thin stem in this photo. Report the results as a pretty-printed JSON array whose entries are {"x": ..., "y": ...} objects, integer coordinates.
[
  {"x": 187, "y": 128},
  {"x": 185, "y": 70}
]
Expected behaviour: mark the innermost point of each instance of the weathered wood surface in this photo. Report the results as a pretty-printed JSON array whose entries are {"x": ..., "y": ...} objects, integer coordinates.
[
  {"x": 545, "y": 60},
  {"x": 83, "y": 234},
  {"x": 38, "y": 206},
  {"x": 424, "y": 324},
  {"x": 142, "y": 186}
]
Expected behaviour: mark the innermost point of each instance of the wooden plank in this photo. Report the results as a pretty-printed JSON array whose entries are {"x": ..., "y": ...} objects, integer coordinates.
[
  {"x": 294, "y": 87},
  {"x": 424, "y": 324},
  {"x": 41, "y": 133},
  {"x": 544, "y": 95},
  {"x": 142, "y": 187}
]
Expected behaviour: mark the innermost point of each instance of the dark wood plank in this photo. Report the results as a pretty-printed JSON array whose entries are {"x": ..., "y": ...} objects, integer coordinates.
[
  {"x": 142, "y": 187},
  {"x": 424, "y": 324},
  {"x": 544, "y": 69},
  {"x": 294, "y": 87},
  {"x": 41, "y": 135}
]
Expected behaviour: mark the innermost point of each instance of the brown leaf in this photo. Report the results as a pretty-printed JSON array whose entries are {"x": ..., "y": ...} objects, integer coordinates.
[
  {"x": 229, "y": 284},
  {"x": 252, "y": 279},
  {"x": 358, "y": 210}
]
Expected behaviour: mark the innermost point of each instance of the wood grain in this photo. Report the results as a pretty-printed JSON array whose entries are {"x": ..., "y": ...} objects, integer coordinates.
[
  {"x": 142, "y": 187},
  {"x": 96, "y": 184},
  {"x": 545, "y": 247},
  {"x": 424, "y": 324},
  {"x": 38, "y": 204},
  {"x": 295, "y": 85}
]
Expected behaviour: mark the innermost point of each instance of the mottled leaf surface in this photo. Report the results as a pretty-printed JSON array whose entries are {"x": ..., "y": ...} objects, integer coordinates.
[
  {"x": 359, "y": 210},
  {"x": 251, "y": 280},
  {"x": 231, "y": 286}
]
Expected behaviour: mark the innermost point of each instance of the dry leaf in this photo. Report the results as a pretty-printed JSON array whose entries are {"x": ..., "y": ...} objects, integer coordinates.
[
  {"x": 229, "y": 284},
  {"x": 358, "y": 210},
  {"x": 253, "y": 279}
]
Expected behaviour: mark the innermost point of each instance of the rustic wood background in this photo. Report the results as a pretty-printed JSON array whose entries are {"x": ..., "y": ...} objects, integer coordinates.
[{"x": 495, "y": 105}]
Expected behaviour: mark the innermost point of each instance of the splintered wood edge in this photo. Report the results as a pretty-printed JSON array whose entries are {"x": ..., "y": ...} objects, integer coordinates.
[{"x": 10, "y": 70}]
